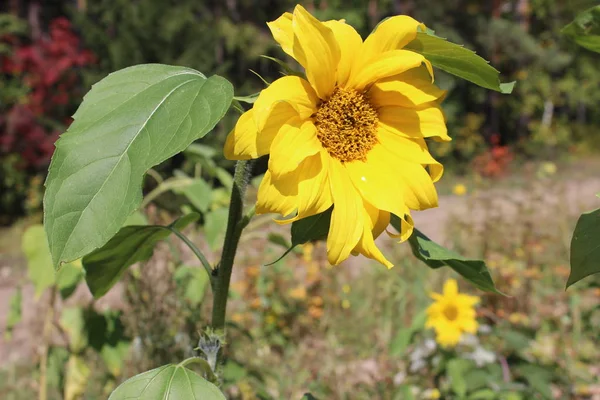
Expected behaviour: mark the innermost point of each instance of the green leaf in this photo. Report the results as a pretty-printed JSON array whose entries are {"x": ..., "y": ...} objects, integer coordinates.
[
  {"x": 39, "y": 264},
  {"x": 131, "y": 244},
  {"x": 198, "y": 193},
  {"x": 457, "y": 368},
  {"x": 193, "y": 282},
  {"x": 167, "y": 382},
  {"x": 250, "y": 99},
  {"x": 459, "y": 61},
  {"x": 72, "y": 322},
  {"x": 114, "y": 356},
  {"x": 538, "y": 378},
  {"x": 483, "y": 394},
  {"x": 14, "y": 312},
  {"x": 436, "y": 256},
  {"x": 215, "y": 225},
  {"x": 76, "y": 378},
  {"x": 130, "y": 121},
  {"x": 585, "y": 247},
  {"x": 403, "y": 337},
  {"x": 315, "y": 227},
  {"x": 39, "y": 260},
  {"x": 68, "y": 277},
  {"x": 585, "y": 29}
]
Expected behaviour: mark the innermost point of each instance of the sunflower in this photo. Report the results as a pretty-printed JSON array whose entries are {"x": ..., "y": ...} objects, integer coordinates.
[
  {"x": 351, "y": 135},
  {"x": 451, "y": 315}
]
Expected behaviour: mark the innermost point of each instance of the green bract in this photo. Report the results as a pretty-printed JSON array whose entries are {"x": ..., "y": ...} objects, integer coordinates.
[{"x": 130, "y": 121}]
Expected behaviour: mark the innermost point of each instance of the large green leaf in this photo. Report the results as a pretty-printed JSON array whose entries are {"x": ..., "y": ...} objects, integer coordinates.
[
  {"x": 130, "y": 121},
  {"x": 585, "y": 29},
  {"x": 436, "y": 256},
  {"x": 131, "y": 244},
  {"x": 585, "y": 247},
  {"x": 315, "y": 227},
  {"x": 169, "y": 382},
  {"x": 459, "y": 61}
]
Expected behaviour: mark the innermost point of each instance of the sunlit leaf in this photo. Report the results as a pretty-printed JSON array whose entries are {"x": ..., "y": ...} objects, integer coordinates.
[
  {"x": 76, "y": 378},
  {"x": 130, "y": 121},
  {"x": 458, "y": 60},
  {"x": 169, "y": 382},
  {"x": 585, "y": 29},
  {"x": 585, "y": 247},
  {"x": 131, "y": 244},
  {"x": 215, "y": 225}
]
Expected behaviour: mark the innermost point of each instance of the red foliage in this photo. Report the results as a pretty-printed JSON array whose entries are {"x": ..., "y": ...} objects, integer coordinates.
[
  {"x": 494, "y": 162},
  {"x": 48, "y": 68}
]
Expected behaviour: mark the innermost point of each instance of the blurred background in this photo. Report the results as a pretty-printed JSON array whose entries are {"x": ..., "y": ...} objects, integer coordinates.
[{"x": 519, "y": 171}]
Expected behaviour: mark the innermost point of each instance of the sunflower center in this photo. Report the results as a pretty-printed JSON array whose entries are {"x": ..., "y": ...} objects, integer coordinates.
[
  {"x": 346, "y": 125},
  {"x": 451, "y": 312}
]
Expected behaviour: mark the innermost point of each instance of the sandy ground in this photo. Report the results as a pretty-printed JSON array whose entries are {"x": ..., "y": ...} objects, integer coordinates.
[{"x": 577, "y": 195}]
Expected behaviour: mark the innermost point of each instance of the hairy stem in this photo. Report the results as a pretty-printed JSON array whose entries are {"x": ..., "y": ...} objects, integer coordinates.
[{"x": 235, "y": 224}]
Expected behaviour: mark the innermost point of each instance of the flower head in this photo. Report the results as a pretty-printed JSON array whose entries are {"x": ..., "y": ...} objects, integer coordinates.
[
  {"x": 351, "y": 135},
  {"x": 452, "y": 314}
]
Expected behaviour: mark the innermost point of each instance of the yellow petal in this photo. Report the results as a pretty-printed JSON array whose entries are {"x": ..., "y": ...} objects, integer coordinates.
[
  {"x": 283, "y": 33},
  {"x": 276, "y": 197},
  {"x": 377, "y": 180},
  {"x": 350, "y": 43},
  {"x": 418, "y": 189},
  {"x": 347, "y": 217},
  {"x": 241, "y": 141},
  {"x": 408, "y": 89},
  {"x": 450, "y": 288},
  {"x": 426, "y": 121},
  {"x": 382, "y": 66},
  {"x": 291, "y": 89},
  {"x": 392, "y": 34},
  {"x": 294, "y": 142},
  {"x": 383, "y": 220},
  {"x": 366, "y": 245},
  {"x": 468, "y": 325},
  {"x": 314, "y": 194},
  {"x": 410, "y": 149},
  {"x": 321, "y": 50},
  {"x": 407, "y": 226}
]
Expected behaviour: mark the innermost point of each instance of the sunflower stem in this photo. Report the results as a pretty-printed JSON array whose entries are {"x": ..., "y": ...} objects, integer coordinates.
[{"x": 235, "y": 225}]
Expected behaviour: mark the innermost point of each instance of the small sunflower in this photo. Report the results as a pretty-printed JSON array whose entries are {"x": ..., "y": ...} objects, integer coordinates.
[
  {"x": 452, "y": 314},
  {"x": 350, "y": 135}
]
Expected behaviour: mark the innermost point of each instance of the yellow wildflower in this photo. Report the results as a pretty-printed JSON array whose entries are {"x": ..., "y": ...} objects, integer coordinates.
[
  {"x": 451, "y": 315},
  {"x": 351, "y": 135},
  {"x": 459, "y": 189},
  {"x": 346, "y": 288},
  {"x": 298, "y": 293}
]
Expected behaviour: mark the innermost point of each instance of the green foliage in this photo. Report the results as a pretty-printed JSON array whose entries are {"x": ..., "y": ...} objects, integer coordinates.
[
  {"x": 585, "y": 247},
  {"x": 315, "y": 227},
  {"x": 156, "y": 113},
  {"x": 15, "y": 312},
  {"x": 39, "y": 264},
  {"x": 192, "y": 281},
  {"x": 436, "y": 256},
  {"x": 585, "y": 29},
  {"x": 131, "y": 244},
  {"x": 458, "y": 61},
  {"x": 167, "y": 382}
]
